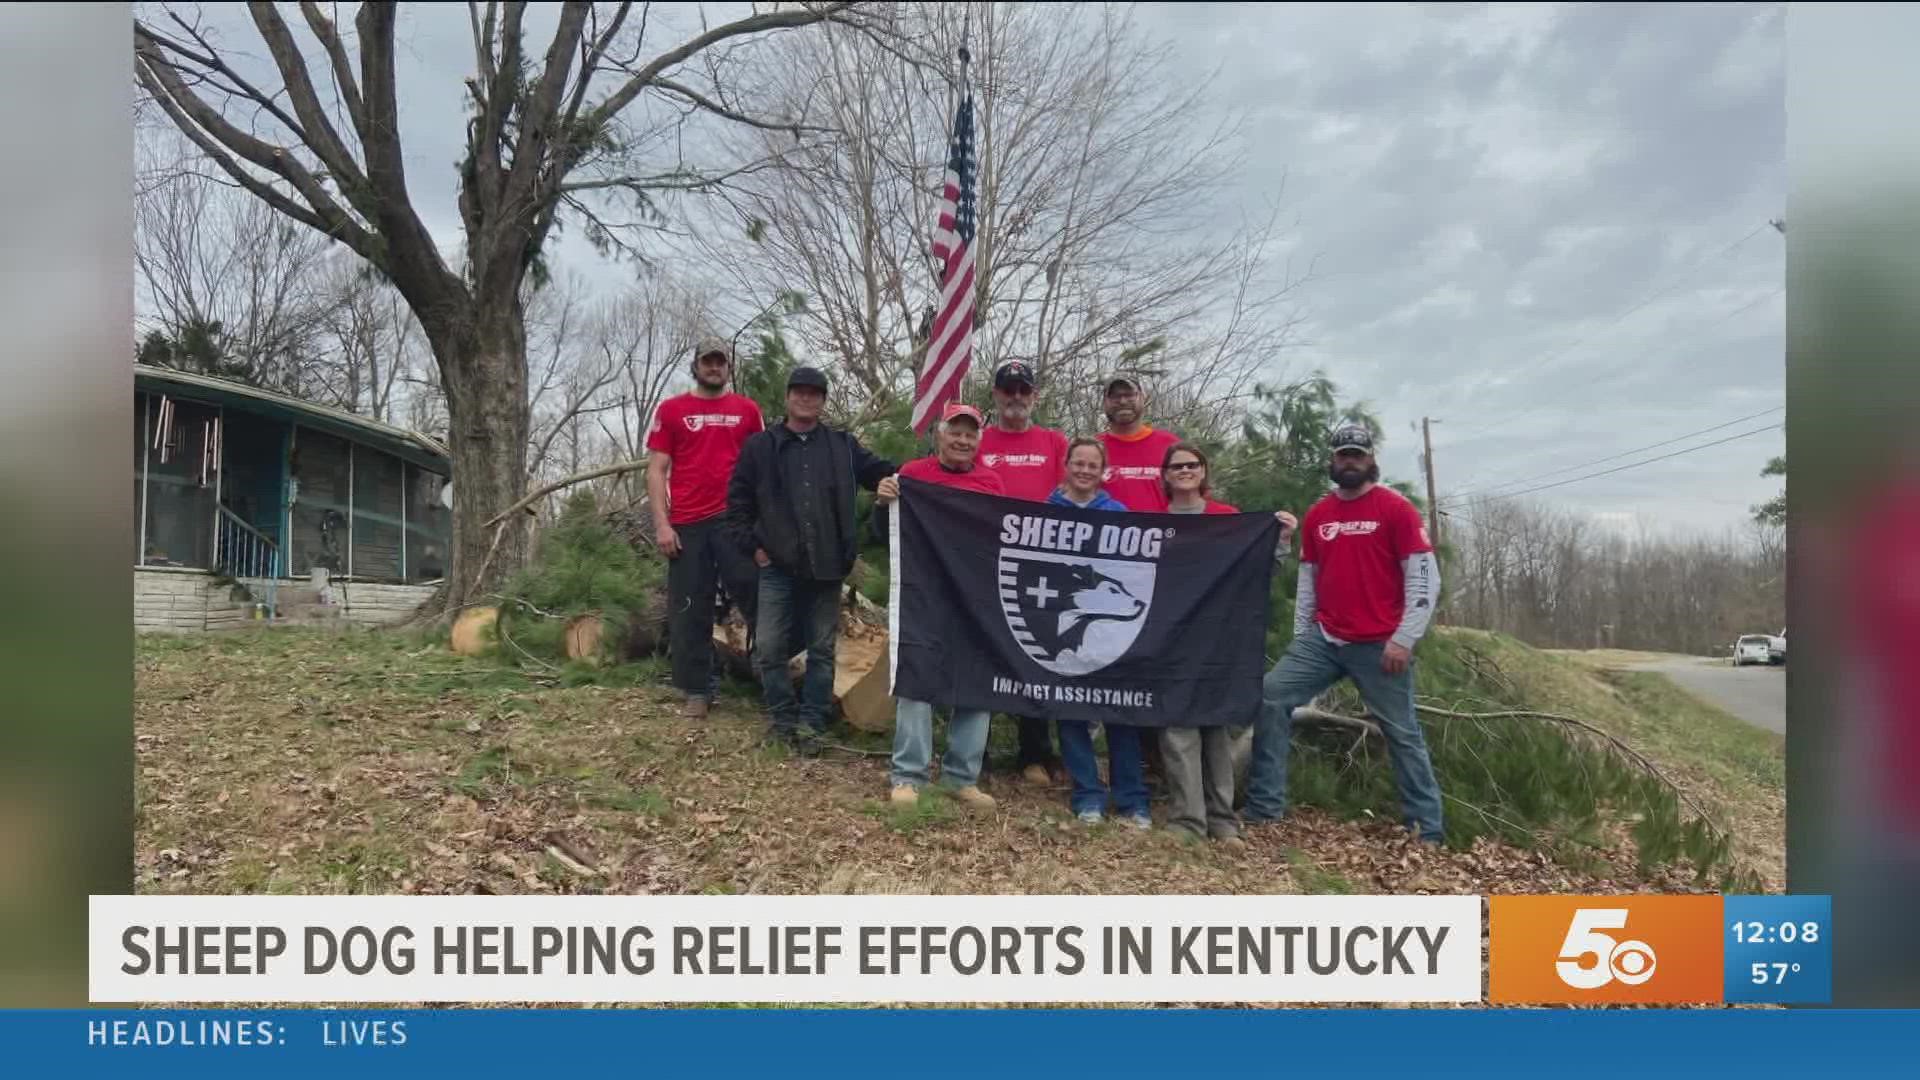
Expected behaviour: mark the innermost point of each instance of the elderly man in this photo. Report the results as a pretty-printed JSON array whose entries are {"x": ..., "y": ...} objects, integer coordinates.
[
  {"x": 952, "y": 464},
  {"x": 791, "y": 503}
]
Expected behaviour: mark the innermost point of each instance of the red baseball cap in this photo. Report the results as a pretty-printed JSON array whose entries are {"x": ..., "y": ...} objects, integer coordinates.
[{"x": 961, "y": 408}]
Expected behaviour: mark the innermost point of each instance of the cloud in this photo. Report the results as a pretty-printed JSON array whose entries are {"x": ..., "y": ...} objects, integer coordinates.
[{"x": 1537, "y": 225}]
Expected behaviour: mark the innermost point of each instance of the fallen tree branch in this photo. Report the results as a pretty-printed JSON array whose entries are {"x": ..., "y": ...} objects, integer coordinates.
[
  {"x": 501, "y": 630},
  {"x": 491, "y": 549},
  {"x": 577, "y": 478},
  {"x": 570, "y": 856},
  {"x": 1311, "y": 714},
  {"x": 1614, "y": 740},
  {"x": 1490, "y": 815}
]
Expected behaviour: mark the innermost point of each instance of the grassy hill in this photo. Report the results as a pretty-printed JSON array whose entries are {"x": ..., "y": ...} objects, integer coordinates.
[{"x": 294, "y": 761}]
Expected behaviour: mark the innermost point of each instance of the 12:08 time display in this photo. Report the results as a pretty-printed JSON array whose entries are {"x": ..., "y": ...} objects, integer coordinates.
[{"x": 1755, "y": 932}]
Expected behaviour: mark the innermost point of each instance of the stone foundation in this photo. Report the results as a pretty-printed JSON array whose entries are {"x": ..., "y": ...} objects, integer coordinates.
[{"x": 188, "y": 600}]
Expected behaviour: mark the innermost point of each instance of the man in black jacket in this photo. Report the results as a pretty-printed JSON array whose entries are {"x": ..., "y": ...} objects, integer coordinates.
[{"x": 791, "y": 501}]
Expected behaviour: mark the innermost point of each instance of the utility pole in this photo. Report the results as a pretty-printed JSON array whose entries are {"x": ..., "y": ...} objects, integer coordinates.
[{"x": 1433, "y": 502}]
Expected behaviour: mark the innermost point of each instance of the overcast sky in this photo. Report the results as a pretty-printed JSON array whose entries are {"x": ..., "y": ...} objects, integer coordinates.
[
  {"x": 1535, "y": 225},
  {"x": 1543, "y": 226}
]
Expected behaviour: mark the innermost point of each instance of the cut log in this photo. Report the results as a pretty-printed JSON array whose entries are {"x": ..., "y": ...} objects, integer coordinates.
[
  {"x": 585, "y": 636},
  {"x": 473, "y": 630},
  {"x": 730, "y": 649},
  {"x": 861, "y": 683}
]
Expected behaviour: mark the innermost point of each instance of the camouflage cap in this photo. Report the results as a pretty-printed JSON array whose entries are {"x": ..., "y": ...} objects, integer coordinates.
[{"x": 710, "y": 345}]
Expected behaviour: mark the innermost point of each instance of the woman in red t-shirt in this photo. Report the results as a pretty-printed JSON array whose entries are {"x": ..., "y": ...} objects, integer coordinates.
[{"x": 1200, "y": 765}]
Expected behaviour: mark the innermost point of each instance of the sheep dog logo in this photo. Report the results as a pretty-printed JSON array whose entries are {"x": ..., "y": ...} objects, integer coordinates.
[{"x": 1073, "y": 615}]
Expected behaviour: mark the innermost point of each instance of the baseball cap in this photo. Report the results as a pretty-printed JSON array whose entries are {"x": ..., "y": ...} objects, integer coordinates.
[
  {"x": 1352, "y": 437},
  {"x": 1013, "y": 373},
  {"x": 808, "y": 376},
  {"x": 711, "y": 345},
  {"x": 1123, "y": 380},
  {"x": 957, "y": 409}
]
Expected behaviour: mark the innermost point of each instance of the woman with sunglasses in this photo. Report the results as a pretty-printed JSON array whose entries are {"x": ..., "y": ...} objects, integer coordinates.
[{"x": 1200, "y": 761}]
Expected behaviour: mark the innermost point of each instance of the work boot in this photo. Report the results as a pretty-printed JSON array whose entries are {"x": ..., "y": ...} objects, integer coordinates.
[
  {"x": 975, "y": 799},
  {"x": 694, "y": 708},
  {"x": 904, "y": 795},
  {"x": 1037, "y": 775}
]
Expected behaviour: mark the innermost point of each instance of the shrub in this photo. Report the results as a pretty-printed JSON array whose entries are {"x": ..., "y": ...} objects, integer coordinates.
[{"x": 583, "y": 567}]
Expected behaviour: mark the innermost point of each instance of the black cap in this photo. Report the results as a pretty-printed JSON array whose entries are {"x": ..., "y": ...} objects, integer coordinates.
[
  {"x": 1352, "y": 437},
  {"x": 808, "y": 376},
  {"x": 1013, "y": 373}
]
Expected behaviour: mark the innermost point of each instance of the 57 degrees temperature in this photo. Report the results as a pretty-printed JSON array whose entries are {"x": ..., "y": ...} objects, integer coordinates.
[{"x": 1772, "y": 974}]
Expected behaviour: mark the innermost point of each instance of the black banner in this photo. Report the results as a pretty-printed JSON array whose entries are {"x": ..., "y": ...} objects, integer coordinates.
[{"x": 1069, "y": 614}]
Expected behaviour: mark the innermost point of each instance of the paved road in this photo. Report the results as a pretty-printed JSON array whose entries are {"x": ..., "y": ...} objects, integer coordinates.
[{"x": 1757, "y": 695}]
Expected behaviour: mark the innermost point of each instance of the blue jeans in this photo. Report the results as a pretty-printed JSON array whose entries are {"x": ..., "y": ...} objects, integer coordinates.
[
  {"x": 814, "y": 606},
  {"x": 913, "y": 745},
  {"x": 1125, "y": 766},
  {"x": 1309, "y": 667}
]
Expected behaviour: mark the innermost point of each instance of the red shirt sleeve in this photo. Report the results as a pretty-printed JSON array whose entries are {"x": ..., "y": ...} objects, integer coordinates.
[
  {"x": 1309, "y": 538},
  {"x": 754, "y": 421},
  {"x": 659, "y": 435}
]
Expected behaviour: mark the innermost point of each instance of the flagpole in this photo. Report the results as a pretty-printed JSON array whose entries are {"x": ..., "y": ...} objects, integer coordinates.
[
  {"x": 952, "y": 319},
  {"x": 965, "y": 57}
]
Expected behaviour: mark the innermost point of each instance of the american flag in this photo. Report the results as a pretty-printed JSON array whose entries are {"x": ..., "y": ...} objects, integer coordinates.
[{"x": 950, "y": 345}]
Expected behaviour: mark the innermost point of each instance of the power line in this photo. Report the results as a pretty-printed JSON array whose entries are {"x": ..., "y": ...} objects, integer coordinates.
[
  {"x": 1722, "y": 319},
  {"x": 1493, "y": 489},
  {"x": 1650, "y": 298},
  {"x": 1635, "y": 464}
]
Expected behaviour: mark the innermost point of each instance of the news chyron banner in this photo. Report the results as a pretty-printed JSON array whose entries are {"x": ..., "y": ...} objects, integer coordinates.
[
  {"x": 1633, "y": 950},
  {"x": 784, "y": 949}
]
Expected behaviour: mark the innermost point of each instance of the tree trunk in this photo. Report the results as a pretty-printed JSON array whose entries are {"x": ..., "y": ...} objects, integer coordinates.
[{"x": 483, "y": 368}]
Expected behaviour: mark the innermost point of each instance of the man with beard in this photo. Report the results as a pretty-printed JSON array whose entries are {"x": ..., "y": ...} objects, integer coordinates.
[
  {"x": 1031, "y": 461},
  {"x": 1134, "y": 449},
  {"x": 691, "y": 449},
  {"x": 1368, "y": 584}
]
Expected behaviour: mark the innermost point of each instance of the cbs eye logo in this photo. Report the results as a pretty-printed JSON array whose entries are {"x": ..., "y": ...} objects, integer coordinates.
[{"x": 1590, "y": 959}]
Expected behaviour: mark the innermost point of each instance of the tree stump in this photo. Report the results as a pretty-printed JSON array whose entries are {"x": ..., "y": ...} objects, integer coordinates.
[
  {"x": 585, "y": 637},
  {"x": 473, "y": 630}
]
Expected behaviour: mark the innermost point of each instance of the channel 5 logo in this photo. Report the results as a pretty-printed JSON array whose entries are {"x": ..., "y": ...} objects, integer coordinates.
[{"x": 1605, "y": 950}]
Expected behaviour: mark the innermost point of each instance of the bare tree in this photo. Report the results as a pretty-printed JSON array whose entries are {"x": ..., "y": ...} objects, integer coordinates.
[
  {"x": 550, "y": 137},
  {"x": 368, "y": 343},
  {"x": 221, "y": 269},
  {"x": 1554, "y": 578},
  {"x": 1100, "y": 201}
]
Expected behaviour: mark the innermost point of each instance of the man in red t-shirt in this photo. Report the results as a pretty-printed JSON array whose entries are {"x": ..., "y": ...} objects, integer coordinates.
[
  {"x": 691, "y": 449},
  {"x": 1368, "y": 584},
  {"x": 1031, "y": 461},
  {"x": 1134, "y": 448},
  {"x": 953, "y": 464}
]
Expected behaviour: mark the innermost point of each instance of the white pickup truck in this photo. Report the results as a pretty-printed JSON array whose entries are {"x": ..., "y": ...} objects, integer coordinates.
[{"x": 1777, "y": 648}]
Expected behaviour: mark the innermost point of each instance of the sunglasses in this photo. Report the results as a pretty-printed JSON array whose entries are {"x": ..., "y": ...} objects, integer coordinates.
[{"x": 1185, "y": 466}]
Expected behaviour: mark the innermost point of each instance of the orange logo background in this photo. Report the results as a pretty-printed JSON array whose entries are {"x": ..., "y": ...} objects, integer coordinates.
[{"x": 1668, "y": 952}]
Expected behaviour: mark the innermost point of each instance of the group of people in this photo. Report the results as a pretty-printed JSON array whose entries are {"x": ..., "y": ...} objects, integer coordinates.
[{"x": 768, "y": 513}]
